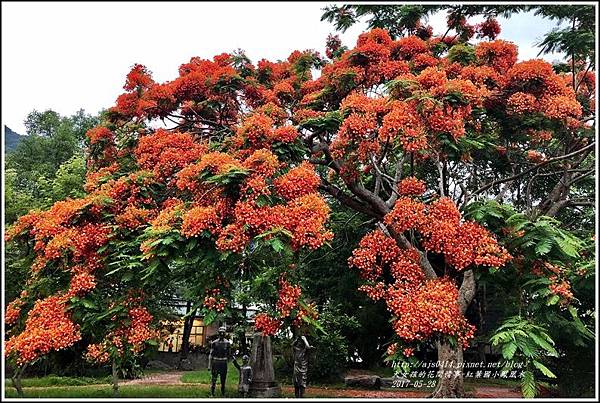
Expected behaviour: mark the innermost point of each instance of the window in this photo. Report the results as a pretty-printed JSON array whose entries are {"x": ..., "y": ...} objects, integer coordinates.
[{"x": 175, "y": 339}]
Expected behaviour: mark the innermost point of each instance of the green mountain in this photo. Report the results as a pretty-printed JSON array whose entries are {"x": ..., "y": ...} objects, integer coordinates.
[{"x": 11, "y": 139}]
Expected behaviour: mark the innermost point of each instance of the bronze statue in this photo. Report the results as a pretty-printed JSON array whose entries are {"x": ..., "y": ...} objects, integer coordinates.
[
  {"x": 245, "y": 375},
  {"x": 301, "y": 348},
  {"x": 220, "y": 353}
]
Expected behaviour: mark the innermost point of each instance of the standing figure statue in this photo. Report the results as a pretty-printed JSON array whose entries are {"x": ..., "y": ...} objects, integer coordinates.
[
  {"x": 220, "y": 353},
  {"x": 245, "y": 375},
  {"x": 301, "y": 347}
]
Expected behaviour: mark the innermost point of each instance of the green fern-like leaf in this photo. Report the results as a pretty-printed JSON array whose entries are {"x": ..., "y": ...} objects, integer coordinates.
[
  {"x": 528, "y": 386},
  {"x": 543, "y": 369}
]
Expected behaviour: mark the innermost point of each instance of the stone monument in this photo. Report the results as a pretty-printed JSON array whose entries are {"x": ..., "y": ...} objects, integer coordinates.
[{"x": 263, "y": 375}]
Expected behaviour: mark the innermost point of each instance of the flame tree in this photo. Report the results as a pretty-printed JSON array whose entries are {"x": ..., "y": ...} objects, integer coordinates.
[
  {"x": 199, "y": 202},
  {"x": 471, "y": 123},
  {"x": 405, "y": 131}
]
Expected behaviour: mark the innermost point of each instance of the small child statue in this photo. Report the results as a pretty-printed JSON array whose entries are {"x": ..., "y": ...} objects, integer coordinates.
[{"x": 245, "y": 375}]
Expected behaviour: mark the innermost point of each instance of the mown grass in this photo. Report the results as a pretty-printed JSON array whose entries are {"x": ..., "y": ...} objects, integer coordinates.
[
  {"x": 147, "y": 391},
  {"x": 125, "y": 391},
  {"x": 189, "y": 390},
  {"x": 54, "y": 380},
  {"x": 196, "y": 385},
  {"x": 203, "y": 376}
]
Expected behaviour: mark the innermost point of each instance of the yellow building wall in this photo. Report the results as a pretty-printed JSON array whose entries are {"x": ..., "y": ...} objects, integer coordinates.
[{"x": 197, "y": 336}]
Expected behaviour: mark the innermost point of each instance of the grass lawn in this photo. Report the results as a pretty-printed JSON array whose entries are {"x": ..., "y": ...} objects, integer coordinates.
[
  {"x": 126, "y": 391},
  {"x": 203, "y": 376},
  {"x": 54, "y": 380},
  {"x": 148, "y": 391},
  {"x": 196, "y": 384}
]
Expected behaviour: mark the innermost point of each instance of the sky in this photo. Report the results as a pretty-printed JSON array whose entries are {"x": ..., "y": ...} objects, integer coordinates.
[{"x": 68, "y": 56}]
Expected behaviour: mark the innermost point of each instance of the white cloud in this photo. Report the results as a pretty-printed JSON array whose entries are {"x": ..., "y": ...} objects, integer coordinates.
[{"x": 67, "y": 56}]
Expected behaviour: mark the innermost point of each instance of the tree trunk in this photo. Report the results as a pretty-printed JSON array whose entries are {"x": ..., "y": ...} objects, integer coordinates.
[
  {"x": 187, "y": 329},
  {"x": 115, "y": 378},
  {"x": 16, "y": 380},
  {"x": 243, "y": 343},
  {"x": 450, "y": 359},
  {"x": 450, "y": 376}
]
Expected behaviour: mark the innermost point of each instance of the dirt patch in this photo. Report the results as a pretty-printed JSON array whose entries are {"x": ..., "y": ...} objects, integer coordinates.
[
  {"x": 166, "y": 378},
  {"x": 358, "y": 393},
  {"x": 494, "y": 391},
  {"x": 356, "y": 372}
]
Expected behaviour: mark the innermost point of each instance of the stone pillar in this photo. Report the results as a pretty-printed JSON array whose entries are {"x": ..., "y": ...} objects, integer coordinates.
[{"x": 263, "y": 375}]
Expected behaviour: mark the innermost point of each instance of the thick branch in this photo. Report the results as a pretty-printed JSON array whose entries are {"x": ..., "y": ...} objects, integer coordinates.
[
  {"x": 405, "y": 244},
  {"x": 347, "y": 200},
  {"x": 466, "y": 291}
]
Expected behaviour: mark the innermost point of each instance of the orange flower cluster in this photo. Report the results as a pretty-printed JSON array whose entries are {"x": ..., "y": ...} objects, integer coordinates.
[
  {"x": 266, "y": 324},
  {"x": 166, "y": 152},
  {"x": 360, "y": 103},
  {"x": 48, "y": 223},
  {"x": 357, "y": 126},
  {"x": 298, "y": 181},
  {"x": 232, "y": 238},
  {"x": 167, "y": 217},
  {"x": 411, "y": 186},
  {"x": 408, "y": 47},
  {"x": 99, "y": 134},
  {"x": 402, "y": 122},
  {"x": 421, "y": 307},
  {"x": 375, "y": 292},
  {"x": 257, "y": 129},
  {"x": 408, "y": 352},
  {"x": 535, "y": 156},
  {"x": 392, "y": 349},
  {"x": 81, "y": 284},
  {"x": 562, "y": 288},
  {"x": 48, "y": 328},
  {"x": 13, "y": 311},
  {"x": 309, "y": 312},
  {"x": 133, "y": 334},
  {"x": 263, "y": 163},
  {"x": 305, "y": 218},
  {"x": 488, "y": 29},
  {"x": 97, "y": 353},
  {"x": 94, "y": 178},
  {"x": 535, "y": 87},
  {"x": 158, "y": 101},
  {"x": 126, "y": 105},
  {"x": 285, "y": 134},
  {"x": 288, "y": 297},
  {"x": 199, "y": 219},
  {"x": 134, "y": 217},
  {"x": 89, "y": 238},
  {"x": 406, "y": 269},
  {"x": 462, "y": 244},
  {"x": 498, "y": 54},
  {"x": 407, "y": 214},
  {"x": 138, "y": 77},
  {"x": 519, "y": 103},
  {"x": 430, "y": 309},
  {"x": 375, "y": 251},
  {"x": 139, "y": 330},
  {"x": 213, "y": 300}
]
